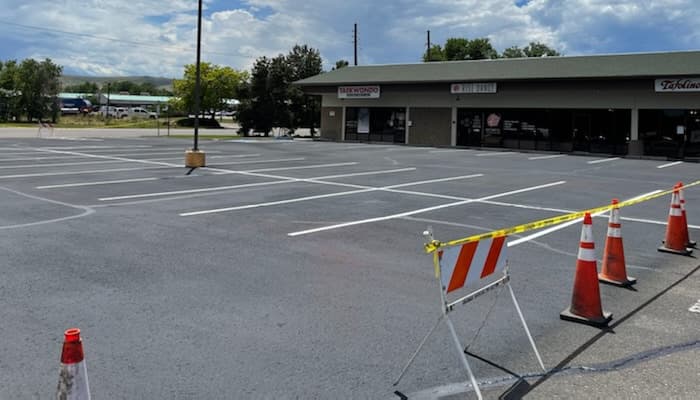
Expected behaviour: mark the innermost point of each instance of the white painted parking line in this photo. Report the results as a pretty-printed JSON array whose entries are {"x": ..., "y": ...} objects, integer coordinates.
[
  {"x": 422, "y": 210},
  {"x": 68, "y": 164},
  {"x": 65, "y": 185},
  {"x": 565, "y": 224},
  {"x": 450, "y": 151},
  {"x": 78, "y": 157},
  {"x": 229, "y": 187},
  {"x": 496, "y": 153},
  {"x": 363, "y": 189},
  {"x": 388, "y": 171},
  {"x": 104, "y": 157},
  {"x": 96, "y": 171},
  {"x": 262, "y": 161},
  {"x": 670, "y": 164},
  {"x": 345, "y": 164},
  {"x": 208, "y": 156},
  {"x": 603, "y": 160},
  {"x": 547, "y": 157}
]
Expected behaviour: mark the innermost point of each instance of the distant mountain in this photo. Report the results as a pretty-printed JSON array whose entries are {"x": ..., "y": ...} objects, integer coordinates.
[{"x": 159, "y": 82}]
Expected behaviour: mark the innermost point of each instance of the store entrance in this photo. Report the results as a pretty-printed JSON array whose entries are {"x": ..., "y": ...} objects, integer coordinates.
[
  {"x": 582, "y": 131},
  {"x": 375, "y": 124},
  {"x": 469, "y": 127}
]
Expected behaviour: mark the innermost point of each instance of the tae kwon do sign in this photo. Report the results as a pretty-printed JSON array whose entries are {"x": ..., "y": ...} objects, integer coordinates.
[
  {"x": 476, "y": 87},
  {"x": 358, "y": 92},
  {"x": 677, "y": 85}
]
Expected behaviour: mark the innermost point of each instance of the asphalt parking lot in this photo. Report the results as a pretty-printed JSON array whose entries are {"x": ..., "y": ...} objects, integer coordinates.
[{"x": 295, "y": 269}]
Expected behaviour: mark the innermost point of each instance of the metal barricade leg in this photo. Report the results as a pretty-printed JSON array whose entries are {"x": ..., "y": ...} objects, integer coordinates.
[
  {"x": 527, "y": 331},
  {"x": 420, "y": 347},
  {"x": 463, "y": 357}
]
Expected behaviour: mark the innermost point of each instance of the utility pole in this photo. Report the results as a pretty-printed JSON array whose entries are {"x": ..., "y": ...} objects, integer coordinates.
[
  {"x": 195, "y": 158},
  {"x": 428, "y": 58},
  {"x": 354, "y": 34},
  {"x": 107, "y": 112}
]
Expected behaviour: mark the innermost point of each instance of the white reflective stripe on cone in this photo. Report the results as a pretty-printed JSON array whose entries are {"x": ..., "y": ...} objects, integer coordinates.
[
  {"x": 587, "y": 234},
  {"x": 615, "y": 216},
  {"x": 614, "y": 232},
  {"x": 586, "y": 254},
  {"x": 73, "y": 382},
  {"x": 675, "y": 212}
]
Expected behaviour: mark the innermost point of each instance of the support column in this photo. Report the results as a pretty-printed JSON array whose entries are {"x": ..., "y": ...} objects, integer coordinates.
[
  {"x": 453, "y": 132},
  {"x": 636, "y": 146},
  {"x": 342, "y": 128},
  {"x": 407, "y": 124}
]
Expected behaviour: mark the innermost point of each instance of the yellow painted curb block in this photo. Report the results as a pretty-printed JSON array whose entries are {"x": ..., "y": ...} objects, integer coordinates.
[{"x": 194, "y": 159}]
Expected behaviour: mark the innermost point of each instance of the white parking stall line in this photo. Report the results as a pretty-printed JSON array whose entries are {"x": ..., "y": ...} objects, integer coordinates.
[
  {"x": 105, "y": 157},
  {"x": 66, "y": 185},
  {"x": 388, "y": 171},
  {"x": 208, "y": 156},
  {"x": 68, "y": 164},
  {"x": 96, "y": 171},
  {"x": 422, "y": 210},
  {"x": 136, "y": 146},
  {"x": 496, "y": 153},
  {"x": 262, "y": 161},
  {"x": 450, "y": 151},
  {"x": 362, "y": 189},
  {"x": 670, "y": 164},
  {"x": 547, "y": 157},
  {"x": 565, "y": 224},
  {"x": 312, "y": 166},
  {"x": 603, "y": 160},
  {"x": 230, "y": 187}
]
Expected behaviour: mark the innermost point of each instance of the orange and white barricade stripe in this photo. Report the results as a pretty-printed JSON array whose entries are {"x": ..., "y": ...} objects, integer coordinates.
[{"x": 479, "y": 266}]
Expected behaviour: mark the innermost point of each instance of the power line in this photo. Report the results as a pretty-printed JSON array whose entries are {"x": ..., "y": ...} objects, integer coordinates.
[{"x": 113, "y": 39}]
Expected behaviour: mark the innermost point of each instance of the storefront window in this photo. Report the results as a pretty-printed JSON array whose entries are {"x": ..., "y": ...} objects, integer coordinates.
[
  {"x": 376, "y": 124},
  {"x": 670, "y": 133}
]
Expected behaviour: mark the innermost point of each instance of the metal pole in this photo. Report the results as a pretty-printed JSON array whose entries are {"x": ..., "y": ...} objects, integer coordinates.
[
  {"x": 522, "y": 319},
  {"x": 463, "y": 357},
  {"x": 197, "y": 78},
  {"x": 108, "y": 89},
  {"x": 428, "y": 47},
  {"x": 355, "y": 42}
]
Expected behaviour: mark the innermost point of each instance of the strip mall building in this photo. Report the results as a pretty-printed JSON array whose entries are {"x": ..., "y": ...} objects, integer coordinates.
[{"x": 636, "y": 104}]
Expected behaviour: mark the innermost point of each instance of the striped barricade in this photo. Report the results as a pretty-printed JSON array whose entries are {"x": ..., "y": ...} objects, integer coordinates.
[{"x": 479, "y": 266}]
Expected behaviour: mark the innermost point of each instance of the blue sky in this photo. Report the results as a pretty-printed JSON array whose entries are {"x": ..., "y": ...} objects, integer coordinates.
[{"x": 157, "y": 37}]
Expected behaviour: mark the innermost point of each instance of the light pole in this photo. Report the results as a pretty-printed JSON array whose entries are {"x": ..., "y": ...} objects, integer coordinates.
[{"x": 194, "y": 157}]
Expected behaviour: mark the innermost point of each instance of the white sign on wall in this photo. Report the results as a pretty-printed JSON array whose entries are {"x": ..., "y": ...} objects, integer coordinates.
[
  {"x": 475, "y": 87},
  {"x": 677, "y": 85},
  {"x": 358, "y": 92}
]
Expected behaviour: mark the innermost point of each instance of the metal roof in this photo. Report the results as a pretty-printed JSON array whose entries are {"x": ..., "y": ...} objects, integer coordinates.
[
  {"x": 577, "y": 67},
  {"x": 137, "y": 99}
]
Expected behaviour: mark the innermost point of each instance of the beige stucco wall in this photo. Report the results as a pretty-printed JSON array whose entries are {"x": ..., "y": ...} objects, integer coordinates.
[
  {"x": 332, "y": 123},
  {"x": 430, "y": 126}
]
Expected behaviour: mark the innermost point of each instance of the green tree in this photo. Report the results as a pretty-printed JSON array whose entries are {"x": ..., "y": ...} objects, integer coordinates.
[
  {"x": 341, "y": 64},
  {"x": 303, "y": 62},
  {"x": 271, "y": 101},
  {"x": 457, "y": 49},
  {"x": 436, "y": 54},
  {"x": 217, "y": 84},
  {"x": 9, "y": 92},
  {"x": 513, "y": 52},
  {"x": 38, "y": 83},
  {"x": 481, "y": 48},
  {"x": 537, "y": 49}
]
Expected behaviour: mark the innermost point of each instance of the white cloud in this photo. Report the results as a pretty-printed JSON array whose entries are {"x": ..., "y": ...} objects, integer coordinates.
[{"x": 157, "y": 37}]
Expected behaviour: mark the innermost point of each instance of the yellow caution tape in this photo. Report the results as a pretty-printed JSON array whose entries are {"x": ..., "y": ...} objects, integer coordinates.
[{"x": 435, "y": 244}]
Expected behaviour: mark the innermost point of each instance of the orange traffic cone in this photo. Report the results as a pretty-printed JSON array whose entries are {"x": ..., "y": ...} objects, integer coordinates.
[
  {"x": 688, "y": 242},
  {"x": 675, "y": 231},
  {"x": 614, "y": 269},
  {"x": 585, "y": 301},
  {"x": 73, "y": 380}
]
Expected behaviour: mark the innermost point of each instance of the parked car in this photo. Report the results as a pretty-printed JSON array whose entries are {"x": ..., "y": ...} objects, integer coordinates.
[
  {"x": 140, "y": 112},
  {"x": 114, "y": 112},
  {"x": 75, "y": 106}
]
